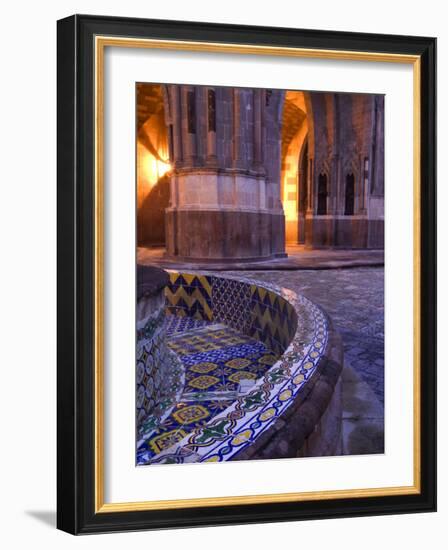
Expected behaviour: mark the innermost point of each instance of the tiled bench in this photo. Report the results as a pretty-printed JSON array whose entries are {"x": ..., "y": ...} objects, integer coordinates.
[{"x": 294, "y": 409}]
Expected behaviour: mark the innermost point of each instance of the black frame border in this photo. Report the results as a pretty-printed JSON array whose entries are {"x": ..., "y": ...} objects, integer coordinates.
[{"x": 76, "y": 263}]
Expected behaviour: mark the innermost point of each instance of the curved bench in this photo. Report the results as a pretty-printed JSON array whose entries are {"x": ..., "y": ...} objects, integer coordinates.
[{"x": 295, "y": 408}]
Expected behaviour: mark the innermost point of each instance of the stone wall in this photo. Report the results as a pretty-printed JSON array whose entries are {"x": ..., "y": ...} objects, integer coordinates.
[
  {"x": 346, "y": 142},
  {"x": 333, "y": 136}
]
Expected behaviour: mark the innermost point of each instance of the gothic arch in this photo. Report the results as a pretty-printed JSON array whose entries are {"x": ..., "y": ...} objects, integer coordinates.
[
  {"x": 295, "y": 132},
  {"x": 349, "y": 195},
  {"x": 322, "y": 194}
]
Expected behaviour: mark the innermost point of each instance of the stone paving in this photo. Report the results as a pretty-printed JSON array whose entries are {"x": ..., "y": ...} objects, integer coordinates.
[
  {"x": 354, "y": 299},
  {"x": 297, "y": 257}
]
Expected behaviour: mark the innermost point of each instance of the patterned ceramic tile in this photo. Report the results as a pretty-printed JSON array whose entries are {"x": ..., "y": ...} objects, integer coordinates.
[
  {"x": 175, "y": 324},
  {"x": 210, "y": 386},
  {"x": 190, "y": 295},
  {"x": 269, "y": 321},
  {"x": 231, "y": 303}
]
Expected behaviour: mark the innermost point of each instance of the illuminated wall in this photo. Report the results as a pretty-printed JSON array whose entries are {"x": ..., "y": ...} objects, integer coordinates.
[
  {"x": 153, "y": 165},
  {"x": 152, "y": 155},
  {"x": 294, "y": 133}
]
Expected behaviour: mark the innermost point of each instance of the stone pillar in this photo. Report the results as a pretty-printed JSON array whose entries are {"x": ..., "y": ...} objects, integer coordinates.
[
  {"x": 310, "y": 192},
  {"x": 225, "y": 195},
  {"x": 375, "y": 191},
  {"x": 210, "y": 105},
  {"x": 364, "y": 182},
  {"x": 189, "y": 123},
  {"x": 258, "y": 131},
  {"x": 237, "y": 159},
  {"x": 176, "y": 126},
  {"x": 334, "y": 185}
]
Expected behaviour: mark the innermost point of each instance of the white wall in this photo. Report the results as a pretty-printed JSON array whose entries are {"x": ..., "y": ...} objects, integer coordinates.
[{"x": 27, "y": 289}]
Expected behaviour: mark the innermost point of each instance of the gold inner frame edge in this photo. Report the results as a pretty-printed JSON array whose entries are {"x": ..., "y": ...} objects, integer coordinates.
[{"x": 210, "y": 47}]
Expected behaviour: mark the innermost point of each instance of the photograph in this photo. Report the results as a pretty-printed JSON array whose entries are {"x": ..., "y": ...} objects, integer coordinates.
[
  {"x": 223, "y": 237},
  {"x": 259, "y": 273},
  {"x": 246, "y": 236}
]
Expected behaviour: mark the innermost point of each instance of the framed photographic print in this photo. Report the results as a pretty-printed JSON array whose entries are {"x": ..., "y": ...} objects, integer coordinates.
[{"x": 246, "y": 274}]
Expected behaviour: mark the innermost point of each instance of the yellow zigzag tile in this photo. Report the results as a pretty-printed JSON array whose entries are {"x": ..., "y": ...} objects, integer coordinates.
[
  {"x": 189, "y": 278},
  {"x": 171, "y": 297},
  {"x": 271, "y": 324},
  {"x": 272, "y": 297},
  {"x": 173, "y": 277},
  {"x": 205, "y": 284},
  {"x": 174, "y": 298}
]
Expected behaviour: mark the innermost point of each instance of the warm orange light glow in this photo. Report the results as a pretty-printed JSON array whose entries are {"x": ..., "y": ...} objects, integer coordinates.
[
  {"x": 153, "y": 168},
  {"x": 150, "y": 170},
  {"x": 290, "y": 209},
  {"x": 295, "y": 128},
  {"x": 159, "y": 167},
  {"x": 152, "y": 155}
]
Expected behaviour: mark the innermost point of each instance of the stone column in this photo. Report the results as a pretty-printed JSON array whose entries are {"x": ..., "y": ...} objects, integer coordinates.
[
  {"x": 300, "y": 200},
  {"x": 189, "y": 123},
  {"x": 334, "y": 185},
  {"x": 310, "y": 191},
  {"x": 211, "y": 159},
  {"x": 364, "y": 177},
  {"x": 221, "y": 207},
  {"x": 258, "y": 133},
  {"x": 176, "y": 126},
  {"x": 237, "y": 160}
]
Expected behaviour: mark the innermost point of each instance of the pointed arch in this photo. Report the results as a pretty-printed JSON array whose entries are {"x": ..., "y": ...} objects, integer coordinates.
[
  {"x": 349, "y": 206},
  {"x": 322, "y": 194}
]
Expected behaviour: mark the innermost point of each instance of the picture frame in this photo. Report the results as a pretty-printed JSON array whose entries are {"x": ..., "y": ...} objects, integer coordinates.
[{"x": 82, "y": 40}]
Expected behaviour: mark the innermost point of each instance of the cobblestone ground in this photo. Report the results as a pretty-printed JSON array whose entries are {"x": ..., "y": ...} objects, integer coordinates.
[{"x": 354, "y": 299}]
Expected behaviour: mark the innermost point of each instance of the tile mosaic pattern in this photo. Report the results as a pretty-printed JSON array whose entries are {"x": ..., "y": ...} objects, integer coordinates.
[
  {"x": 273, "y": 320},
  {"x": 212, "y": 382},
  {"x": 231, "y": 303},
  {"x": 175, "y": 324},
  {"x": 158, "y": 372},
  {"x": 277, "y": 319},
  {"x": 190, "y": 295},
  {"x": 252, "y": 309}
]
